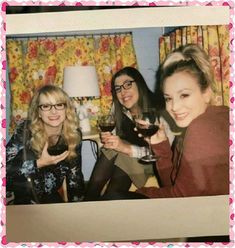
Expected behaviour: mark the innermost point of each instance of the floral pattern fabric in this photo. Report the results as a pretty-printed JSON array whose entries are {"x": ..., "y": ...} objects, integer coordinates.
[
  {"x": 36, "y": 62},
  {"x": 215, "y": 41}
]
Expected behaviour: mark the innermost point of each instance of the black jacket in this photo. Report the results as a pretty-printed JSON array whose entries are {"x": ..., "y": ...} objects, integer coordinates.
[{"x": 32, "y": 185}]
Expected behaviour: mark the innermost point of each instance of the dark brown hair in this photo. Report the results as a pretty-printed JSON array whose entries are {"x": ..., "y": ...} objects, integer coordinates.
[{"x": 146, "y": 96}]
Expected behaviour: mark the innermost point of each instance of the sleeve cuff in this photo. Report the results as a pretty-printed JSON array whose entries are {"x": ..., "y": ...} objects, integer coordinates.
[
  {"x": 137, "y": 151},
  {"x": 163, "y": 149}
]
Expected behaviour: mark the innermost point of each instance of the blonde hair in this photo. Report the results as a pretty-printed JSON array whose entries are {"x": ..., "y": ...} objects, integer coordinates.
[
  {"x": 70, "y": 130},
  {"x": 198, "y": 55}
]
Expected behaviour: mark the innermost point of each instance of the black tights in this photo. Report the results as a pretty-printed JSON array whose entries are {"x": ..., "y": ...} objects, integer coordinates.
[{"x": 105, "y": 170}]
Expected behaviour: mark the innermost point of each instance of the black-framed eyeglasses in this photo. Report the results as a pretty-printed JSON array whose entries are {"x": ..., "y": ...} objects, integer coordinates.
[
  {"x": 48, "y": 107},
  {"x": 126, "y": 85}
]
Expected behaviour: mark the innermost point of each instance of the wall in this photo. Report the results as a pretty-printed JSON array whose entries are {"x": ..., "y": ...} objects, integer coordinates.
[{"x": 147, "y": 52}]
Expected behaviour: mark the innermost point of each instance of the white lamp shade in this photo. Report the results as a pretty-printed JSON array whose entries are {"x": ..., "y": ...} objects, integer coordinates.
[{"x": 81, "y": 81}]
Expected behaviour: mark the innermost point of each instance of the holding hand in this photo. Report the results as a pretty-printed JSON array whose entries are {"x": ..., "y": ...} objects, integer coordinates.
[
  {"x": 46, "y": 159},
  {"x": 104, "y": 136},
  {"x": 156, "y": 138},
  {"x": 111, "y": 141},
  {"x": 159, "y": 136}
]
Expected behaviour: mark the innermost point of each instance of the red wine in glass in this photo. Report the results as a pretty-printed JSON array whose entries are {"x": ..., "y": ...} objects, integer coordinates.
[
  {"x": 145, "y": 124},
  {"x": 57, "y": 149},
  {"x": 106, "y": 127},
  {"x": 106, "y": 123},
  {"x": 55, "y": 145},
  {"x": 147, "y": 131}
]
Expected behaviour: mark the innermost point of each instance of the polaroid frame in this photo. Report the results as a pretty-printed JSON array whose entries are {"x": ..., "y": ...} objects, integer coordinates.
[{"x": 141, "y": 220}]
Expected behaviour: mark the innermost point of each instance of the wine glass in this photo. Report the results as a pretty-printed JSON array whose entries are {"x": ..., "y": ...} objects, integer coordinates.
[
  {"x": 145, "y": 124},
  {"x": 106, "y": 122},
  {"x": 56, "y": 146}
]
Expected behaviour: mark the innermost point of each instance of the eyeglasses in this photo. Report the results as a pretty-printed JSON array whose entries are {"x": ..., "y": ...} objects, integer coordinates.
[
  {"x": 126, "y": 85},
  {"x": 48, "y": 107}
]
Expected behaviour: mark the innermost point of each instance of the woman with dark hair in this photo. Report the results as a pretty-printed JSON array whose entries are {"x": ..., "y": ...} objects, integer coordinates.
[
  {"x": 144, "y": 97},
  {"x": 35, "y": 172},
  {"x": 118, "y": 163}
]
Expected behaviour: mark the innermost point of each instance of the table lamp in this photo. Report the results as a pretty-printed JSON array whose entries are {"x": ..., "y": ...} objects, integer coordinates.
[{"x": 81, "y": 81}]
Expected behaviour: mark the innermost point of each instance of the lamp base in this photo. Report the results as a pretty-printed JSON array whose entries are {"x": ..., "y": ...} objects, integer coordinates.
[{"x": 85, "y": 125}]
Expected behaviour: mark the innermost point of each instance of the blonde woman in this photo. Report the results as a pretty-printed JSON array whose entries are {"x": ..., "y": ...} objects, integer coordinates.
[
  {"x": 199, "y": 158},
  {"x": 44, "y": 150}
]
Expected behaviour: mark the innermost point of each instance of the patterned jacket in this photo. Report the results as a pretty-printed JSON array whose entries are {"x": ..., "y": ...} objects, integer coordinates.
[{"x": 33, "y": 185}]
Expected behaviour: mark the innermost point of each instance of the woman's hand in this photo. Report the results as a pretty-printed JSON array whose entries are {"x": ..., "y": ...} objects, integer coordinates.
[
  {"x": 47, "y": 159},
  {"x": 111, "y": 141},
  {"x": 104, "y": 136},
  {"x": 159, "y": 136}
]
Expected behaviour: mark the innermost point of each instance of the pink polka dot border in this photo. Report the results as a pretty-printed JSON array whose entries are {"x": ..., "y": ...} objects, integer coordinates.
[{"x": 4, "y": 4}]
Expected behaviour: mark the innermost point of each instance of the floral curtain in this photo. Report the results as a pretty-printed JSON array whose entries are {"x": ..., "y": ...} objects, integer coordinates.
[
  {"x": 215, "y": 41},
  {"x": 113, "y": 52},
  {"x": 33, "y": 63}
]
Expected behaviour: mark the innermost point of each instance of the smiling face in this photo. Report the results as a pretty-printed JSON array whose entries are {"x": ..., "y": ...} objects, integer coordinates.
[
  {"x": 184, "y": 99},
  {"x": 52, "y": 119},
  {"x": 127, "y": 97}
]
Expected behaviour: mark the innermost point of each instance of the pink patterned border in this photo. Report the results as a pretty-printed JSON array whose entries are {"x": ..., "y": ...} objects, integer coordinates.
[{"x": 3, "y": 241}]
